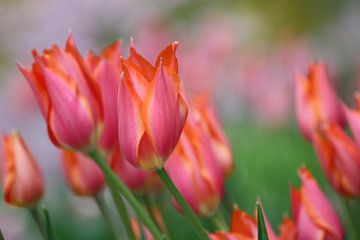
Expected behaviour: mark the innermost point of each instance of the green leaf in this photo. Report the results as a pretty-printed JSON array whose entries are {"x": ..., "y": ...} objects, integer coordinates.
[
  {"x": 48, "y": 228},
  {"x": 1, "y": 235},
  {"x": 262, "y": 233}
]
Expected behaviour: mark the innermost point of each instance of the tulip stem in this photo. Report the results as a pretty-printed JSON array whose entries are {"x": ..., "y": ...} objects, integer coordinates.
[
  {"x": 100, "y": 201},
  {"x": 349, "y": 218},
  {"x": 195, "y": 222},
  {"x": 35, "y": 214},
  {"x": 122, "y": 211},
  {"x": 113, "y": 180}
]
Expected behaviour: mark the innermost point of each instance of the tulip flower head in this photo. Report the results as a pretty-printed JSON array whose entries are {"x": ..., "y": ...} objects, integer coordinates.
[
  {"x": 210, "y": 122},
  {"x": 316, "y": 102},
  {"x": 82, "y": 174},
  {"x": 151, "y": 109},
  {"x": 107, "y": 69},
  {"x": 339, "y": 158},
  {"x": 243, "y": 227},
  {"x": 313, "y": 215},
  {"x": 195, "y": 171},
  {"x": 68, "y": 96},
  {"x": 22, "y": 181}
]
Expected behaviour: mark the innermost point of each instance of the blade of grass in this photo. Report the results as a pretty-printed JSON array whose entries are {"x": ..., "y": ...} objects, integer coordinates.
[{"x": 262, "y": 233}]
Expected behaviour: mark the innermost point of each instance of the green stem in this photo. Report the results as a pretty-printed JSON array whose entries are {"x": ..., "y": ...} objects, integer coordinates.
[
  {"x": 49, "y": 232},
  {"x": 113, "y": 180},
  {"x": 122, "y": 211},
  {"x": 349, "y": 218},
  {"x": 195, "y": 222},
  {"x": 35, "y": 214},
  {"x": 99, "y": 199},
  {"x": 219, "y": 221}
]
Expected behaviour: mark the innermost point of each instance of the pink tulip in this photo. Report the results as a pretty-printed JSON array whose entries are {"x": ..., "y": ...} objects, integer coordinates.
[
  {"x": 316, "y": 102},
  {"x": 68, "y": 96},
  {"x": 82, "y": 174},
  {"x": 107, "y": 70},
  {"x": 313, "y": 215},
  {"x": 151, "y": 109},
  {"x": 211, "y": 124},
  {"x": 340, "y": 159},
  {"x": 195, "y": 171},
  {"x": 22, "y": 181}
]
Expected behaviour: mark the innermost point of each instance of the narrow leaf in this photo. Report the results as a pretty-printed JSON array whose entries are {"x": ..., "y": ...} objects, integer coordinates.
[
  {"x": 262, "y": 233},
  {"x": 48, "y": 228},
  {"x": 1, "y": 235}
]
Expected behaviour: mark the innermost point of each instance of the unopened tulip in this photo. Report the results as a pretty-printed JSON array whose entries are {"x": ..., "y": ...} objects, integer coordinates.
[
  {"x": 137, "y": 180},
  {"x": 195, "y": 171},
  {"x": 68, "y": 96},
  {"x": 151, "y": 109},
  {"x": 107, "y": 69},
  {"x": 316, "y": 101},
  {"x": 243, "y": 227},
  {"x": 340, "y": 159},
  {"x": 22, "y": 181},
  {"x": 314, "y": 217},
  {"x": 82, "y": 174},
  {"x": 203, "y": 110}
]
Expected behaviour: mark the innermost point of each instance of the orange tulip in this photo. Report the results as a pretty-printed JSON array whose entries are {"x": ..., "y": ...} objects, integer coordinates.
[
  {"x": 82, "y": 174},
  {"x": 243, "y": 227},
  {"x": 288, "y": 230},
  {"x": 339, "y": 158},
  {"x": 22, "y": 180},
  {"x": 151, "y": 109},
  {"x": 107, "y": 69},
  {"x": 316, "y": 102},
  {"x": 210, "y": 122},
  {"x": 313, "y": 215},
  {"x": 195, "y": 171},
  {"x": 68, "y": 96}
]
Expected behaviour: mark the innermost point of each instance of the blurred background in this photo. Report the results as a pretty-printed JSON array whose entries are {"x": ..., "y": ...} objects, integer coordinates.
[{"x": 244, "y": 52}]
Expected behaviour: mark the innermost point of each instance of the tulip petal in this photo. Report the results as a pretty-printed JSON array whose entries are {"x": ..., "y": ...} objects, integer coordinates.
[
  {"x": 164, "y": 111},
  {"x": 131, "y": 127},
  {"x": 353, "y": 119},
  {"x": 70, "y": 118},
  {"x": 138, "y": 81},
  {"x": 168, "y": 57},
  {"x": 140, "y": 63}
]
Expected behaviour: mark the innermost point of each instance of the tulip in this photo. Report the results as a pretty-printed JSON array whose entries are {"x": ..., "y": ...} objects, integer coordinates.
[
  {"x": 288, "y": 230},
  {"x": 195, "y": 171},
  {"x": 314, "y": 217},
  {"x": 151, "y": 109},
  {"x": 210, "y": 122},
  {"x": 137, "y": 180},
  {"x": 243, "y": 227},
  {"x": 82, "y": 174},
  {"x": 22, "y": 181},
  {"x": 316, "y": 102},
  {"x": 340, "y": 159},
  {"x": 106, "y": 70},
  {"x": 140, "y": 229},
  {"x": 68, "y": 97}
]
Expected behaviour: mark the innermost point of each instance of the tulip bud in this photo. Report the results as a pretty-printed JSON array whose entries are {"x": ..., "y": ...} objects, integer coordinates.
[
  {"x": 68, "y": 97},
  {"x": 22, "y": 180},
  {"x": 287, "y": 230},
  {"x": 313, "y": 215},
  {"x": 316, "y": 102},
  {"x": 151, "y": 109},
  {"x": 137, "y": 180},
  {"x": 107, "y": 69},
  {"x": 339, "y": 158},
  {"x": 195, "y": 171},
  {"x": 211, "y": 124},
  {"x": 82, "y": 174}
]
